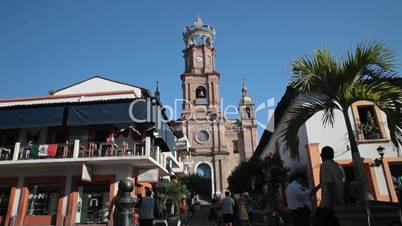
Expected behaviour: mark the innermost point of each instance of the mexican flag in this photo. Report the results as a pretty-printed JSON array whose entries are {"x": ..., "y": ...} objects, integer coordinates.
[{"x": 44, "y": 150}]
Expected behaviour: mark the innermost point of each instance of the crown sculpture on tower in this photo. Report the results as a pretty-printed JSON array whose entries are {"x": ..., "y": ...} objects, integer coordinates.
[{"x": 199, "y": 34}]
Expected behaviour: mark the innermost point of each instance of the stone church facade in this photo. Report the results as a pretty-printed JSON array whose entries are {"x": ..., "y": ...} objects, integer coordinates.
[{"x": 218, "y": 144}]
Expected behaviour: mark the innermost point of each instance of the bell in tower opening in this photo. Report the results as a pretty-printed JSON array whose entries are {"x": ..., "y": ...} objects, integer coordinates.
[
  {"x": 200, "y": 92},
  {"x": 200, "y": 95}
]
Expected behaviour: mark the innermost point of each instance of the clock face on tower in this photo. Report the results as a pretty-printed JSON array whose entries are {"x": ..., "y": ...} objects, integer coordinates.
[{"x": 199, "y": 59}]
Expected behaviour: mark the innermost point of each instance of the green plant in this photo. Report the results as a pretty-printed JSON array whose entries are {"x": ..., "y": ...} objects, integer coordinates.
[
  {"x": 251, "y": 176},
  {"x": 174, "y": 191},
  {"x": 246, "y": 177},
  {"x": 275, "y": 173},
  {"x": 370, "y": 129}
]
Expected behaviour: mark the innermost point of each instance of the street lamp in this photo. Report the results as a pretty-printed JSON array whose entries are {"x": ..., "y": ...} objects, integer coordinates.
[{"x": 378, "y": 161}]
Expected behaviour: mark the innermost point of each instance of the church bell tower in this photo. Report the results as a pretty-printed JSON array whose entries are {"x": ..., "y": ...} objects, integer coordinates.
[
  {"x": 201, "y": 106},
  {"x": 200, "y": 80},
  {"x": 248, "y": 124},
  {"x": 218, "y": 144}
]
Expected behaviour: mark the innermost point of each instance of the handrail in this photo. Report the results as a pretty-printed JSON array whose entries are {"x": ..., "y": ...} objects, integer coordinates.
[{"x": 78, "y": 149}]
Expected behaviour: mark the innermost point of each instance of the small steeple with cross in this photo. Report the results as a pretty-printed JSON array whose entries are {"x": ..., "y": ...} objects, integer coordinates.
[{"x": 157, "y": 93}]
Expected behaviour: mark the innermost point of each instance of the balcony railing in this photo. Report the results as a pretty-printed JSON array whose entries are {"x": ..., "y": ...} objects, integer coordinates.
[
  {"x": 6, "y": 153},
  {"x": 77, "y": 150},
  {"x": 112, "y": 149}
]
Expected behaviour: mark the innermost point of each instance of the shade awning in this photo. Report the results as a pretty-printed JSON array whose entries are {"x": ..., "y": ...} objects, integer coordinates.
[
  {"x": 31, "y": 117},
  {"x": 87, "y": 114},
  {"x": 113, "y": 113},
  {"x": 73, "y": 115}
]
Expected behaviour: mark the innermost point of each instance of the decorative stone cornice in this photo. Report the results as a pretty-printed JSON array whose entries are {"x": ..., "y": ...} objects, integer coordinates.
[{"x": 199, "y": 34}]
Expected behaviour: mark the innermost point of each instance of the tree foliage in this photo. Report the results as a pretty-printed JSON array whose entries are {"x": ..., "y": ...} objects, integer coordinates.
[
  {"x": 197, "y": 184},
  {"x": 274, "y": 171},
  {"x": 251, "y": 176},
  {"x": 173, "y": 191}
]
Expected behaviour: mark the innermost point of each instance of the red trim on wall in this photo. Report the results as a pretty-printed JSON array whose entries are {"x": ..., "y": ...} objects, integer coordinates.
[
  {"x": 368, "y": 168},
  {"x": 13, "y": 182},
  {"x": 73, "y": 197},
  {"x": 22, "y": 219},
  {"x": 388, "y": 176},
  {"x": 313, "y": 169}
]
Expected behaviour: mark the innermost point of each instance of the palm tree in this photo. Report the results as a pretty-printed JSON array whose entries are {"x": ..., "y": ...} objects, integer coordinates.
[{"x": 328, "y": 84}]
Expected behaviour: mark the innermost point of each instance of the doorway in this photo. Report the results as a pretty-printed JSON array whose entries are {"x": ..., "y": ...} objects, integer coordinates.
[{"x": 204, "y": 171}]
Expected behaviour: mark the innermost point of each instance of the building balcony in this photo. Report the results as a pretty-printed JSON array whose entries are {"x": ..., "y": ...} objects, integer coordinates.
[{"x": 139, "y": 154}]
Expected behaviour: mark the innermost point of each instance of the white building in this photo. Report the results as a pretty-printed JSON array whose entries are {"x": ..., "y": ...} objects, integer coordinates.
[
  {"x": 62, "y": 155},
  {"x": 383, "y": 178}
]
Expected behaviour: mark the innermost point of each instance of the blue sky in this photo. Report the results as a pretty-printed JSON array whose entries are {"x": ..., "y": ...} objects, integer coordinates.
[{"x": 49, "y": 44}]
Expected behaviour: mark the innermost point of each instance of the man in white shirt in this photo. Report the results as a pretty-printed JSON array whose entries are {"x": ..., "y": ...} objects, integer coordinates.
[{"x": 298, "y": 199}]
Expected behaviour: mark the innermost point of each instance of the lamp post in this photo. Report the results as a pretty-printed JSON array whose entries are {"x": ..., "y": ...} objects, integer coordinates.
[{"x": 378, "y": 161}]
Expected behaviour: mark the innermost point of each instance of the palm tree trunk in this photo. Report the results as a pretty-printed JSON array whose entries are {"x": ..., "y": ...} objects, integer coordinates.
[{"x": 360, "y": 175}]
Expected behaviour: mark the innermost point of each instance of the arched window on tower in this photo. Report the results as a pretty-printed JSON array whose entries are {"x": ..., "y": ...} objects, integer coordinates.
[
  {"x": 199, "y": 40},
  {"x": 201, "y": 95},
  {"x": 248, "y": 112},
  {"x": 189, "y": 63},
  {"x": 208, "y": 42}
]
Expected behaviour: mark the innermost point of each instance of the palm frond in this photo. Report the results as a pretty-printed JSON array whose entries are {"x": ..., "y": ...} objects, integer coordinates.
[
  {"x": 300, "y": 111},
  {"x": 318, "y": 72},
  {"x": 381, "y": 92},
  {"x": 395, "y": 127},
  {"x": 393, "y": 111},
  {"x": 369, "y": 60}
]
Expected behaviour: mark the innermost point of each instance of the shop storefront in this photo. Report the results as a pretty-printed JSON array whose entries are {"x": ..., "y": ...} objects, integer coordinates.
[
  {"x": 7, "y": 193},
  {"x": 89, "y": 201},
  {"x": 41, "y": 201},
  {"x": 93, "y": 204},
  {"x": 393, "y": 172}
]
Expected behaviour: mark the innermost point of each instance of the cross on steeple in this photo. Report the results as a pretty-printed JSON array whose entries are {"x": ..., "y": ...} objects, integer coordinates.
[
  {"x": 244, "y": 87},
  {"x": 157, "y": 93}
]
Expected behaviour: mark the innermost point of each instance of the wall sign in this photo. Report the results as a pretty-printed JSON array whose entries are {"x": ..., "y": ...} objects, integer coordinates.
[
  {"x": 180, "y": 145},
  {"x": 150, "y": 175}
]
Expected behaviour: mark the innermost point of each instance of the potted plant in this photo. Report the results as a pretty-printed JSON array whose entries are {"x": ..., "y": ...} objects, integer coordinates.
[{"x": 174, "y": 191}]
